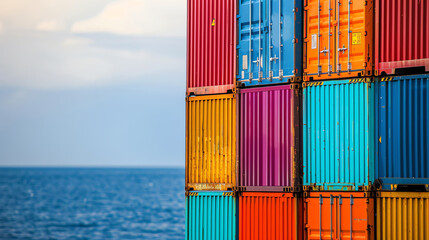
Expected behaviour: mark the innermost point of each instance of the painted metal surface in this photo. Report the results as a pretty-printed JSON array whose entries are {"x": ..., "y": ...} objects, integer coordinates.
[
  {"x": 211, "y": 142},
  {"x": 269, "y": 216},
  {"x": 269, "y": 44},
  {"x": 402, "y": 130},
  {"x": 338, "y": 39},
  {"x": 338, "y": 134},
  {"x": 401, "y": 35},
  {"x": 402, "y": 215},
  {"x": 269, "y": 137},
  {"x": 210, "y": 215},
  {"x": 211, "y": 46},
  {"x": 338, "y": 215}
]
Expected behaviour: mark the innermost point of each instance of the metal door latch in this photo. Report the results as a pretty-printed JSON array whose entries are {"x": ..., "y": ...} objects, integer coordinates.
[
  {"x": 325, "y": 51},
  {"x": 343, "y": 49},
  {"x": 274, "y": 58},
  {"x": 256, "y": 61}
]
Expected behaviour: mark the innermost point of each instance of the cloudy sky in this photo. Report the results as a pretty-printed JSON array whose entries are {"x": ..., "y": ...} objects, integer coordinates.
[{"x": 92, "y": 83}]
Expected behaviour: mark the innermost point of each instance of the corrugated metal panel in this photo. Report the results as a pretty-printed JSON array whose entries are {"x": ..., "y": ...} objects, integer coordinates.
[
  {"x": 338, "y": 134},
  {"x": 402, "y": 215},
  {"x": 338, "y": 39},
  {"x": 269, "y": 136},
  {"x": 402, "y": 131},
  {"x": 211, "y": 46},
  {"x": 210, "y": 215},
  {"x": 338, "y": 215},
  {"x": 268, "y": 216},
  {"x": 211, "y": 142},
  {"x": 269, "y": 41},
  {"x": 401, "y": 35}
]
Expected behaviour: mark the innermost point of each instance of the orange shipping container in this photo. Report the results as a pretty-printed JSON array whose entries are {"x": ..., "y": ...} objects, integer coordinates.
[
  {"x": 338, "y": 215},
  {"x": 211, "y": 142},
  {"x": 269, "y": 216},
  {"x": 338, "y": 39}
]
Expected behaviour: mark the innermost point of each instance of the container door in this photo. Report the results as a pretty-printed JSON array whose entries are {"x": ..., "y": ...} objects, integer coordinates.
[
  {"x": 343, "y": 36},
  {"x": 320, "y": 39},
  {"x": 252, "y": 40},
  {"x": 338, "y": 217},
  {"x": 337, "y": 37},
  {"x": 281, "y": 35}
]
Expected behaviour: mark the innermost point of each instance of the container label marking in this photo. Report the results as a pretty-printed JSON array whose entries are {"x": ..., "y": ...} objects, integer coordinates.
[
  {"x": 213, "y": 22},
  {"x": 314, "y": 41},
  {"x": 356, "y": 38}
]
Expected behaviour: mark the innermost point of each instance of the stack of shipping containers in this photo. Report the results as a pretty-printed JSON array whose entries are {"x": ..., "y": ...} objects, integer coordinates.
[
  {"x": 365, "y": 119},
  {"x": 269, "y": 73},
  {"x": 307, "y": 119},
  {"x": 211, "y": 108}
]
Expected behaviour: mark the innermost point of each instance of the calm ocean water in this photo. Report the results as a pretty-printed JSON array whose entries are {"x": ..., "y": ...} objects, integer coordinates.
[{"x": 43, "y": 203}]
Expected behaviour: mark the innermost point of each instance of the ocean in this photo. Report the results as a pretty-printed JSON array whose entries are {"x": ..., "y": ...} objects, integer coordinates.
[{"x": 92, "y": 203}]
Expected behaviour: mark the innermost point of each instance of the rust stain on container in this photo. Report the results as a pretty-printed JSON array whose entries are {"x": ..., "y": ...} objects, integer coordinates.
[{"x": 211, "y": 142}]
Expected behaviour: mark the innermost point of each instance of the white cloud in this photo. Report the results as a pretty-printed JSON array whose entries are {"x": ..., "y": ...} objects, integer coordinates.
[
  {"x": 50, "y": 26},
  {"x": 138, "y": 17},
  {"x": 76, "y": 41}
]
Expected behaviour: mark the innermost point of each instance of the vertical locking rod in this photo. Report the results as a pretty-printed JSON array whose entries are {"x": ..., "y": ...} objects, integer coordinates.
[
  {"x": 280, "y": 41},
  {"x": 332, "y": 203},
  {"x": 319, "y": 67},
  {"x": 260, "y": 40},
  {"x": 340, "y": 202},
  {"x": 351, "y": 216},
  {"x": 349, "y": 64},
  {"x": 329, "y": 40},
  {"x": 250, "y": 40},
  {"x": 338, "y": 39},
  {"x": 320, "y": 216}
]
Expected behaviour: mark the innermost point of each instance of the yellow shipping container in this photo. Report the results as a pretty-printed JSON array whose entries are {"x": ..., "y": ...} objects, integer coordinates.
[
  {"x": 211, "y": 142},
  {"x": 402, "y": 215}
]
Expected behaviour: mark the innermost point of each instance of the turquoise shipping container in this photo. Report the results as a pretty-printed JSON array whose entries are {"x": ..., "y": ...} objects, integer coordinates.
[
  {"x": 338, "y": 135},
  {"x": 210, "y": 215}
]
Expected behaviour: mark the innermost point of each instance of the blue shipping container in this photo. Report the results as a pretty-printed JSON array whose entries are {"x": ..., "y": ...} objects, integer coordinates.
[
  {"x": 402, "y": 132},
  {"x": 270, "y": 35},
  {"x": 210, "y": 215},
  {"x": 338, "y": 141}
]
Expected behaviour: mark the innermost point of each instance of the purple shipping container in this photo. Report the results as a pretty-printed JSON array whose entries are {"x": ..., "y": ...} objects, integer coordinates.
[{"x": 269, "y": 133}]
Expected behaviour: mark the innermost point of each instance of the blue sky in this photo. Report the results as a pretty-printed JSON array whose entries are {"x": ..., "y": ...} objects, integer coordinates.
[{"x": 92, "y": 83}]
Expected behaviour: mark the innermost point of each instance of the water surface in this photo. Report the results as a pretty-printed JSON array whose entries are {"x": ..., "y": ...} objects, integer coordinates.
[{"x": 91, "y": 203}]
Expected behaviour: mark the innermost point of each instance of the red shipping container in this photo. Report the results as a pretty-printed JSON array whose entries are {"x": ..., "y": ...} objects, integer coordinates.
[
  {"x": 211, "y": 46},
  {"x": 401, "y": 36},
  {"x": 269, "y": 216},
  {"x": 269, "y": 138}
]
